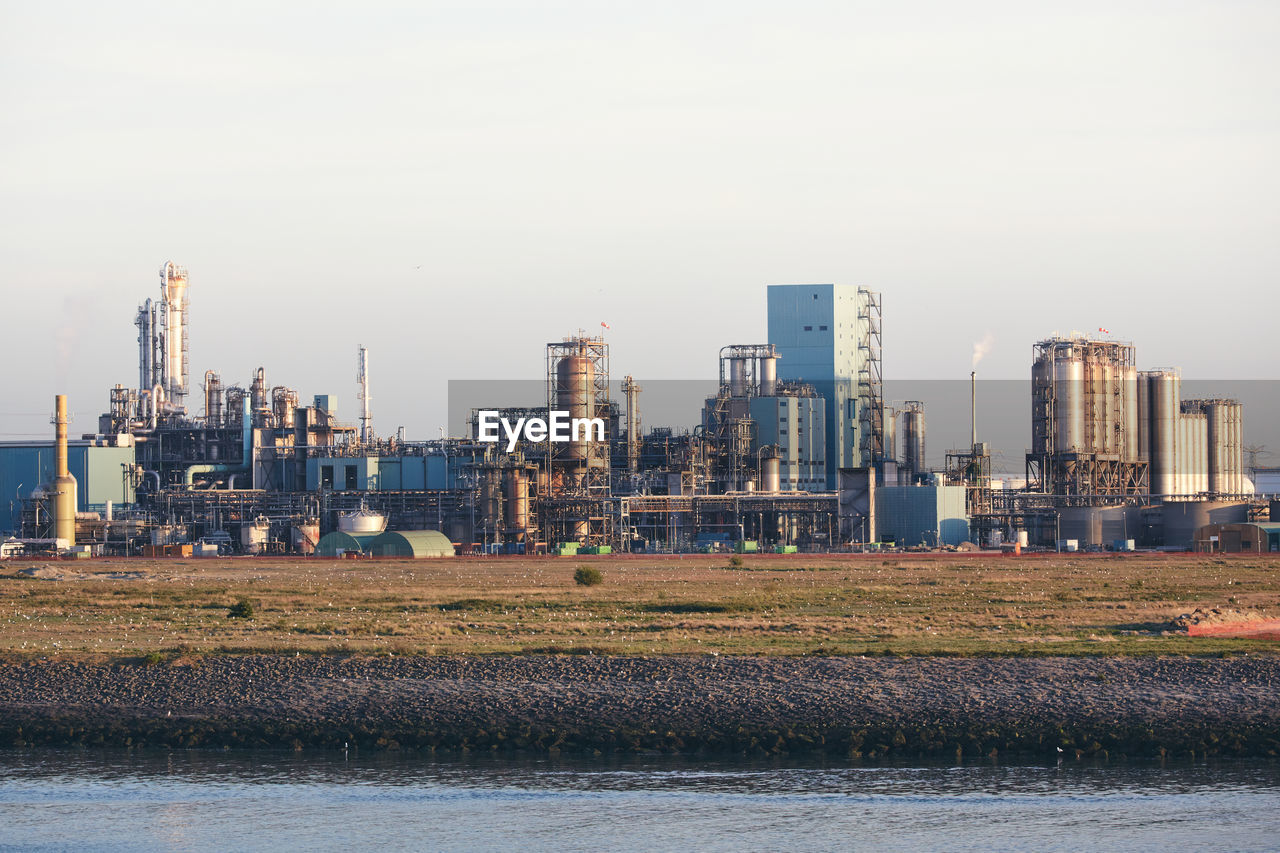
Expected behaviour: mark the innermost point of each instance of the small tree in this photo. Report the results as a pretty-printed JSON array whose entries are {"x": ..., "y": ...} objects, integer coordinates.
[
  {"x": 242, "y": 609},
  {"x": 587, "y": 576}
]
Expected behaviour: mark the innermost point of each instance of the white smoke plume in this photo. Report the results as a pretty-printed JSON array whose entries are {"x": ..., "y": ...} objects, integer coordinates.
[{"x": 981, "y": 348}]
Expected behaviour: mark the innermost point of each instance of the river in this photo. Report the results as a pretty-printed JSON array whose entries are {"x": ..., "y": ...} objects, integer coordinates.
[{"x": 153, "y": 800}]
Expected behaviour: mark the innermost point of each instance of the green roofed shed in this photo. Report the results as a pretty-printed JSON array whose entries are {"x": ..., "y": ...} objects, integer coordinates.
[
  {"x": 331, "y": 544},
  {"x": 411, "y": 543}
]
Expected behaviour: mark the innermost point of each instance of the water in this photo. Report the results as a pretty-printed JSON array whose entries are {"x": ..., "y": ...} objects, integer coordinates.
[{"x": 53, "y": 800}]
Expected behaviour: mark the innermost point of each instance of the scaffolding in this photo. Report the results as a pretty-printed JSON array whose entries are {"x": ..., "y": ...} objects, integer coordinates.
[
  {"x": 576, "y": 503},
  {"x": 870, "y": 380}
]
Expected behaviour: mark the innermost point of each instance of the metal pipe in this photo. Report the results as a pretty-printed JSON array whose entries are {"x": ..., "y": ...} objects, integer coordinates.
[
  {"x": 246, "y": 435},
  {"x": 973, "y": 408}
]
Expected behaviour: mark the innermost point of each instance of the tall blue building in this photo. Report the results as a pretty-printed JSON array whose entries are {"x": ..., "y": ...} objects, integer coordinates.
[{"x": 828, "y": 335}]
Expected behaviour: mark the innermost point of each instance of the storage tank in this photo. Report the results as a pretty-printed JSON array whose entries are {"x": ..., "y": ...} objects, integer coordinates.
[
  {"x": 1100, "y": 525},
  {"x": 491, "y": 498},
  {"x": 737, "y": 377},
  {"x": 1143, "y": 433},
  {"x": 890, "y": 435},
  {"x": 253, "y": 536},
  {"x": 913, "y": 434},
  {"x": 1192, "y": 464},
  {"x": 1069, "y": 392},
  {"x": 772, "y": 476},
  {"x": 1163, "y": 390},
  {"x": 517, "y": 502},
  {"x": 305, "y": 536},
  {"x": 362, "y": 522},
  {"x": 1100, "y": 420},
  {"x": 1181, "y": 519},
  {"x": 1224, "y": 445},
  {"x": 1131, "y": 422},
  {"x": 575, "y": 383},
  {"x": 1216, "y": 429},
  {"x": 768, "y": 376},
  {"x": 1235, "y": 448}
]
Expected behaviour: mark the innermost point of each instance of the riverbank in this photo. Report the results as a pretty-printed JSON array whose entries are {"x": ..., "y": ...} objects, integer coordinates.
[{"x": 838, "y": 706}]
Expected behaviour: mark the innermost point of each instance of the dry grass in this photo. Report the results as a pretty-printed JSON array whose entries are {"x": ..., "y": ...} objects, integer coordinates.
[{"x": 946, "y": 604}]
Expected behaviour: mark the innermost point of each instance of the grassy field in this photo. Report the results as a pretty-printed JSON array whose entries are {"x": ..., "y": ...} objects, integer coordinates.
[{"x": 960, "y": 604}]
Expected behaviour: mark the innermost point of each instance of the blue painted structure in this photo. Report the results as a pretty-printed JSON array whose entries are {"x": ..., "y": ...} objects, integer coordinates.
[
  {"x": 100, "y": 474},
  {"x": 815, "y": 328}
]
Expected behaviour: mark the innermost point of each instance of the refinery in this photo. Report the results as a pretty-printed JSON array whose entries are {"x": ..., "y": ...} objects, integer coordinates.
[{"x": 797, "y": 450}]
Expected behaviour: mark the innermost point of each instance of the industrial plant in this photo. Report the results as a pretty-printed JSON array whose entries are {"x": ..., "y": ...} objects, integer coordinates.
[{"x": 796, "y": 450}]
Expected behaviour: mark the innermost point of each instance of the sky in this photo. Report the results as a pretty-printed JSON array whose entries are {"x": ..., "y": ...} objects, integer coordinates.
[{"x": 454, "y": 185}]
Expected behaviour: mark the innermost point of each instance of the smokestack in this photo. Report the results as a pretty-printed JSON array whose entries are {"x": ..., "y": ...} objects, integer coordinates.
[
  {"x": 64, "y": 485},
  {"x": 173, "y": 287},
  {"x": 973, "y": 408},
  {"x": 362, "y": 377}
]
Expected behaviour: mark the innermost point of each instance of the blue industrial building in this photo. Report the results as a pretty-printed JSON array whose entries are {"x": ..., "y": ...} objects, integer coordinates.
[
  {"x": 827, "y": 335},
  {"x": 797, "y": 427},
  {"x": 102, "y": 474},
  {"x": 922, "y": 515}
]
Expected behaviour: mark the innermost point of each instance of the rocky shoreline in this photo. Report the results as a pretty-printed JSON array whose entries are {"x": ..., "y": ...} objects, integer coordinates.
[{"x": 837, "y": 706}]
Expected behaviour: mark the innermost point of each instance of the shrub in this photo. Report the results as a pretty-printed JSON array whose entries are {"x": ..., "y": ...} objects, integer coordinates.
[
  {"x": 587, "y": 576},
  {"x": 736, "y": 562},
  {"x": 242, "y": 609},
  {"x": 153, "y": 659}
]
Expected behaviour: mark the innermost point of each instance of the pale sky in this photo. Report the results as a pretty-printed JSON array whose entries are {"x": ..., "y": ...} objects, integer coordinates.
[{"x": 455, "y": 184}]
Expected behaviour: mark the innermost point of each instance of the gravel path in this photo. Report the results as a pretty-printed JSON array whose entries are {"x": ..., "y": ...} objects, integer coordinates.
[{"x": 846, "y": 705}]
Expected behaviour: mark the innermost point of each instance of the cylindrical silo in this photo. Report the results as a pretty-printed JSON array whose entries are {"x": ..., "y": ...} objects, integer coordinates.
[
  {"x": 737, "y": 377},
  {"x": 575, "y": 381},
  {"x": 1042, "y": 428},
  {"x": 1181, "y": 519},
  {"x": 1131, "y": 421},
  {"x": 304, "y": 536},
  {"x": 1101, "y": 421},
  {"x": 517, "y": 502},
  {"x": 772, "y": 476},
  {"x": 491, "y": 498},
  {"x": 890, "y": 435},
  {"x": 768, "y": 376},
  {"x": 1163, "y": 388},
  {"x": 1193, "y": 450},
  {"x": 1235, "y": 447},
  {"x": 1142, "y": 424},
  {"x": 1069, "y": 394},
  {"x": 913, "y": 448},
  {"x": 1216, "y": 445}
]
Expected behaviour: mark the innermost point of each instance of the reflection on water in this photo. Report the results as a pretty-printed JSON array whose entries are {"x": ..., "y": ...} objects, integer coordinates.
[{"x": 147, "y": 800}]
